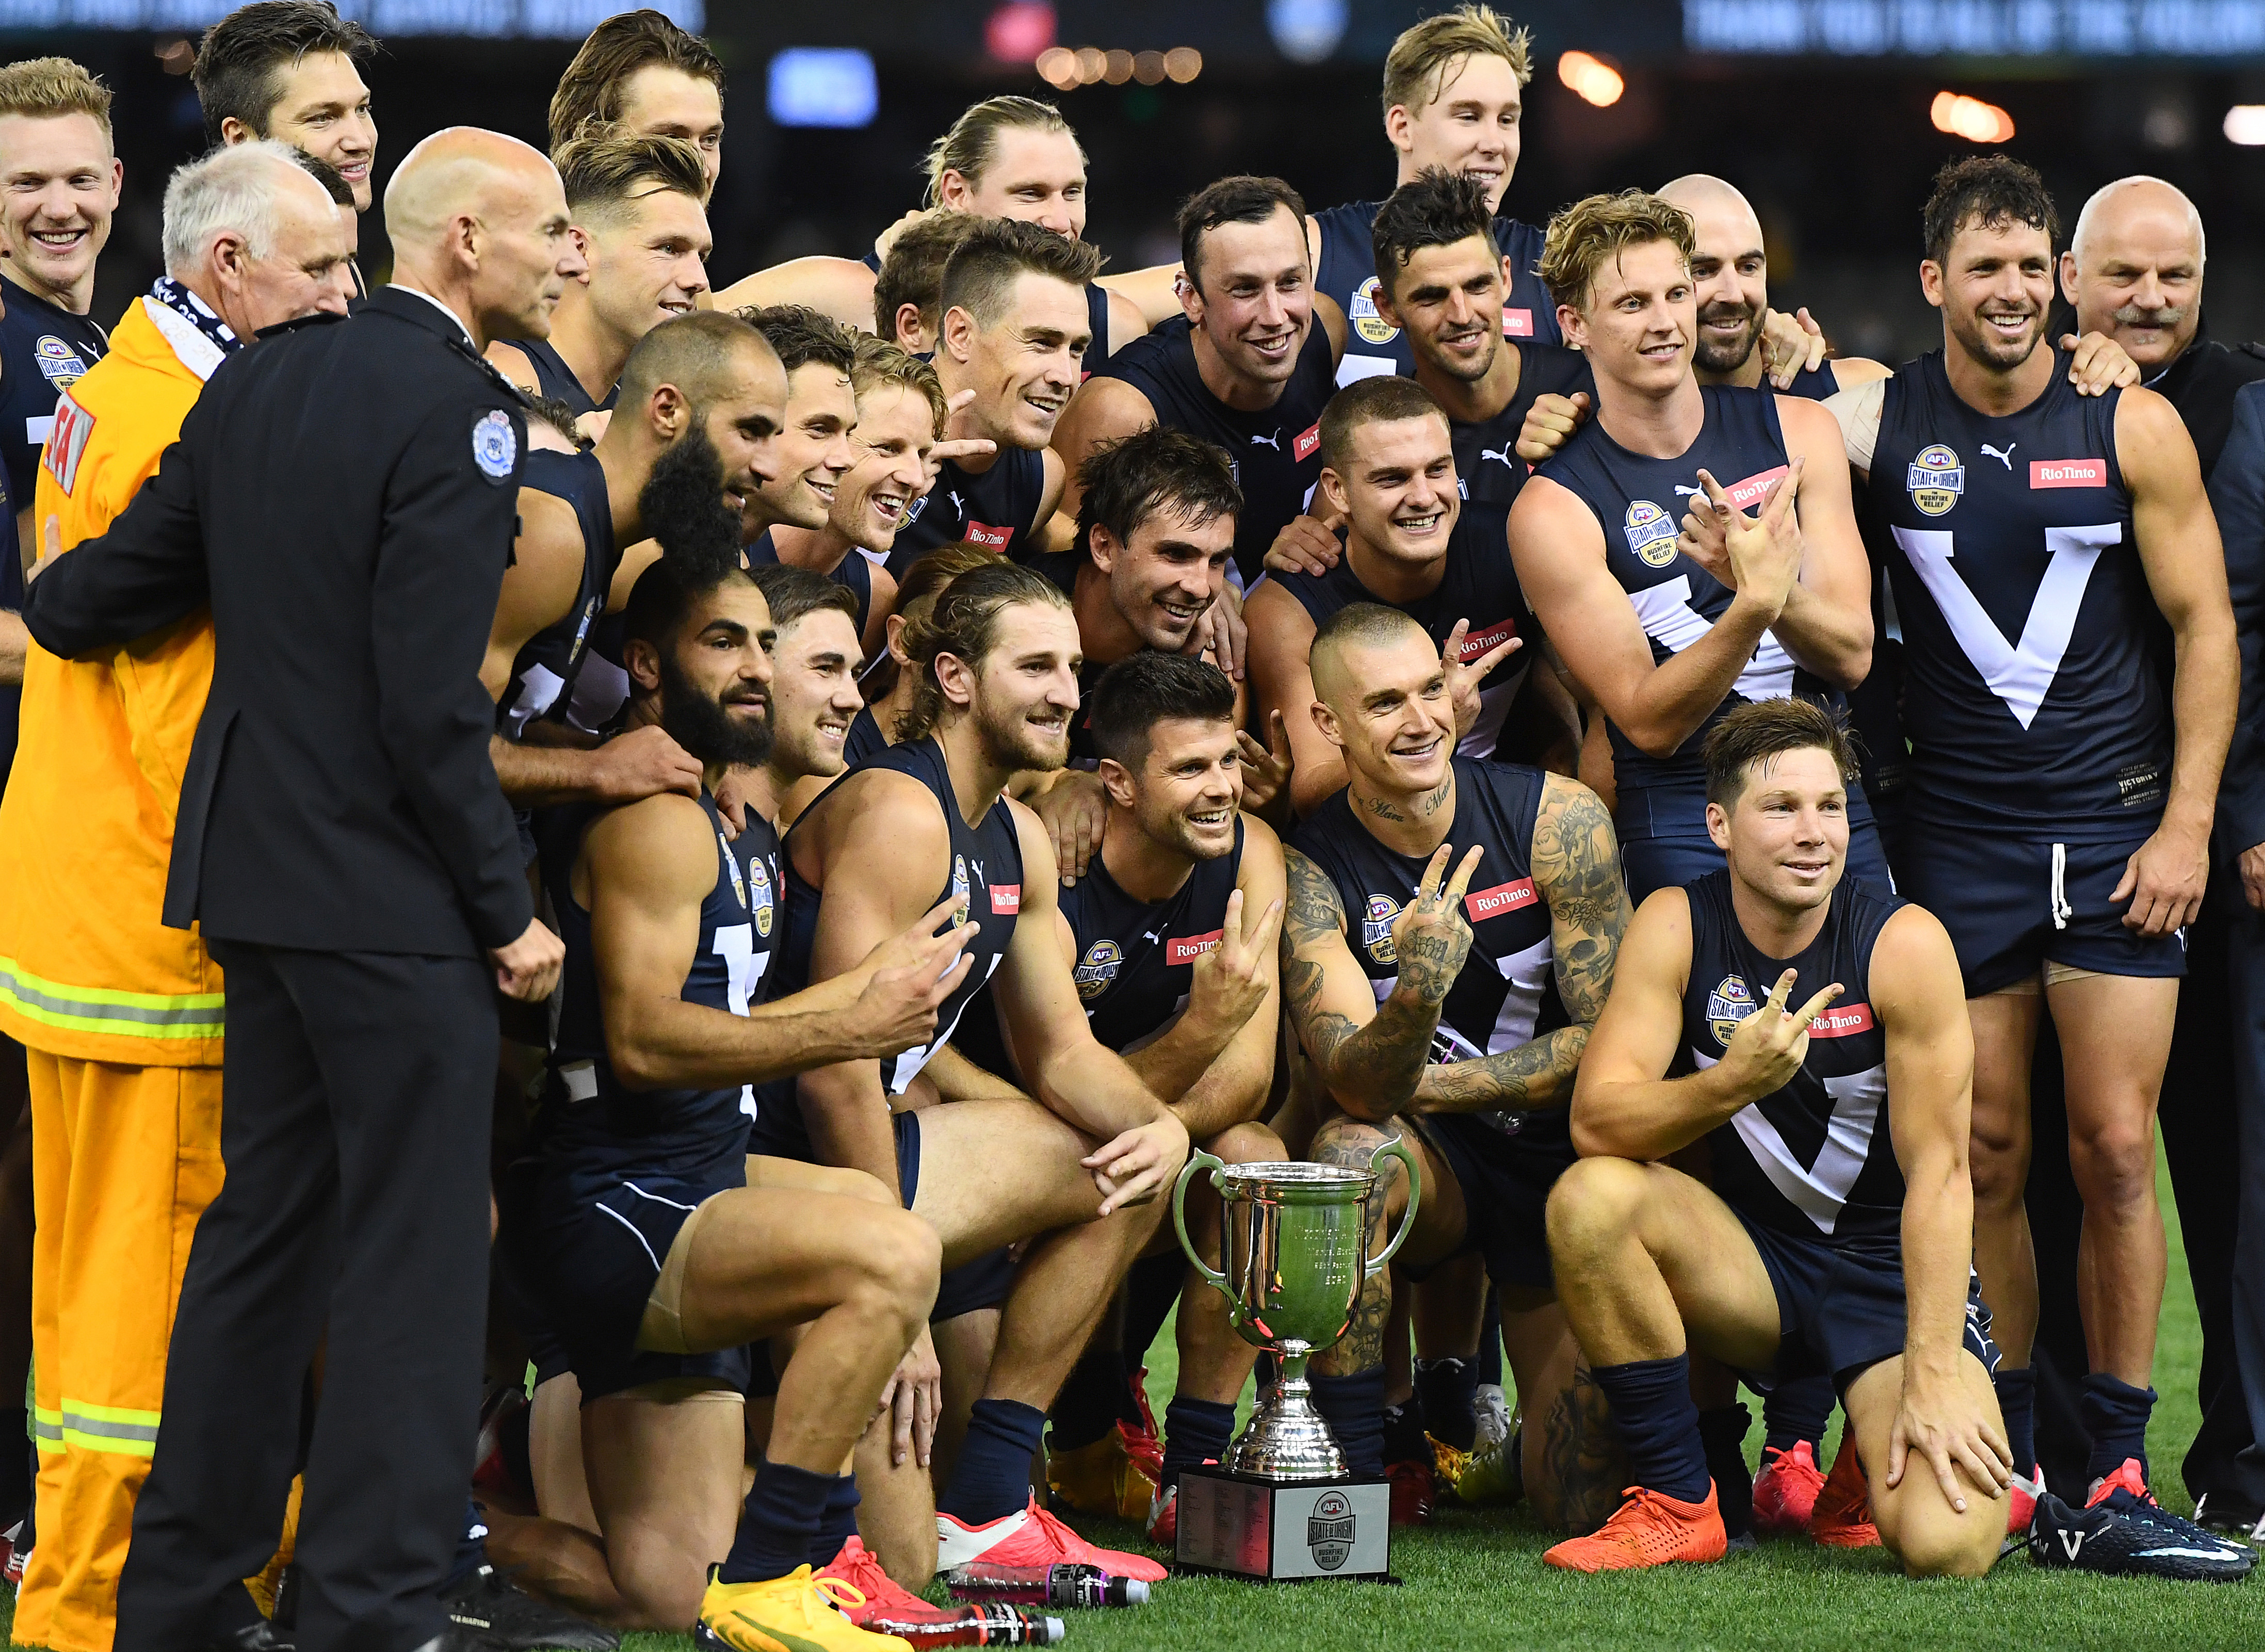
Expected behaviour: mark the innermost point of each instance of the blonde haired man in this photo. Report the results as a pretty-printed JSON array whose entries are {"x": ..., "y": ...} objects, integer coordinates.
[{"x": 122, "y": 1016}]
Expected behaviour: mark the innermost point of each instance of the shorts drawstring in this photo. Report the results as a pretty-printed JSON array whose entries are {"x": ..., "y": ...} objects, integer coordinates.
[{"x": 2062, "y": 912}]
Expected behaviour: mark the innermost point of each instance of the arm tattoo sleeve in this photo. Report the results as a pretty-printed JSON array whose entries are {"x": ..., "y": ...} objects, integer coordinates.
[{"x": 1373, "y": 1067}]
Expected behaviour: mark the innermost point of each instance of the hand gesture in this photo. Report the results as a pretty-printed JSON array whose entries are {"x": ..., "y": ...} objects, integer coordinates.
[
  {"x": 1464, "y": 681},
  {"x": 912, "y": 974},
  {"x": 1788, "y": 345},
  {"x": 2253, "y": 875},
  {"x": 1941, "y": 1420},
  {"x": 1073, "y": 810},
  {"x": 643, "y": 764},
  {"x": 956, "y": 447},
  {"x": 1548, "y": 422},
  {"x": 1133, "y": 1168},
  {"x": 915, "y": 1391},
  {"x": 1265, "y": 768},
  {"x": 528, "y": 968},
  {"x": 1770, "y": 1044},
  {"x": 1230, "y": 980},
  {"x": 1705, "y": 540},
  {"x": 1764, "y": 551},
  {"x": 1308, "y": 544},
  {"x": 1430, "y": 937},
  {"x": 2097, "y": 364},
  {"x": 1220, "y": 631},
  {"x": 2164, "y": 880}
]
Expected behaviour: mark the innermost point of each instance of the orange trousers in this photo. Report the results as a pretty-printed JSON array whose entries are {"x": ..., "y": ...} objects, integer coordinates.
[{"x": 124, "y": 1160}]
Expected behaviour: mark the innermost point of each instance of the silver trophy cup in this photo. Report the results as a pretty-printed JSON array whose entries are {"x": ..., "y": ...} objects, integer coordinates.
[{"x": 1294, "y": 1245}]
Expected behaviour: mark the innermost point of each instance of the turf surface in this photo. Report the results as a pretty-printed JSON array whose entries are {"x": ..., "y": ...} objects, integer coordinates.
[{"x": 1476, "y": 1580}]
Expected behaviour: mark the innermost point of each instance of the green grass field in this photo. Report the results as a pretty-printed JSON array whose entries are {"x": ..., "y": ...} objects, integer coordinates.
[{"x": 1476, "y": 1580}]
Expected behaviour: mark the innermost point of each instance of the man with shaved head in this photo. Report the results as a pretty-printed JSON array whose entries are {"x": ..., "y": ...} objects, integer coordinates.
[
  {"x": 343, "y": 498},
  {"x": 2134, "y": 270}
]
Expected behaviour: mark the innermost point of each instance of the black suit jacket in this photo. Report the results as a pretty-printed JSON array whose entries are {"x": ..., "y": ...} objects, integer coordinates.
[
  {"x": 2237, "y": 494},
  {"x": 344, "y": 495}
]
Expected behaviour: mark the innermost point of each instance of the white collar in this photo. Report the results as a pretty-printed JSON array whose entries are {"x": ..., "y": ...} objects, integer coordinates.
[{"x": 437, "y": 304}]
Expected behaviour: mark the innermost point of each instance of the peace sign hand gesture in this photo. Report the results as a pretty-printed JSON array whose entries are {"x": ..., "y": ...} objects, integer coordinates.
[
  {"x": 1770, "y": 1044},
  {"x": 1464, "y": 681},
  {"x": 1764, "y": 550},
  {"x": 1431, "y": 936}
]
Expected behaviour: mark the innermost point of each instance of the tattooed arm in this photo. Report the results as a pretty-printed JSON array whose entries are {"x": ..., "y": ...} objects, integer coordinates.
[
  {"x": 1371, "y": 1055},
  {"x": 1576, "y": 869}
]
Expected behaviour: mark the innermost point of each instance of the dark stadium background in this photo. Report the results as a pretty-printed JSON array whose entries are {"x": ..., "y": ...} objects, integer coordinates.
[{"x": 1828, "y": 129}]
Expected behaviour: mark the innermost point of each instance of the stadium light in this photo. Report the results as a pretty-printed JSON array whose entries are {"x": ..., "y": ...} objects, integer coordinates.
[
  {"x": 823, "y": 86},
  {"x": 1017, "y": 32},
  {"x": 1591, "y": 79},
  {"x": 1066, "y": 70},
  {"x": 2245, "y": 124},
  {"x": 1972, "y": 119}
]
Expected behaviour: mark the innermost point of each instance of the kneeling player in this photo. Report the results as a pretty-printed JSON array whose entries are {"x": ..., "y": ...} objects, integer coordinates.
[
  {"x": 1170, "y": 941},
  {"x": 637, "y": 1231},
  {"x": 1838, "y": 1235},
  {"x": 1471, "y": 1063}
]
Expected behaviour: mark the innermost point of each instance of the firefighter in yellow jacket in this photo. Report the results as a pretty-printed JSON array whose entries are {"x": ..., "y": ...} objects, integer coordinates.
[{"x": 123, "y": 1017}]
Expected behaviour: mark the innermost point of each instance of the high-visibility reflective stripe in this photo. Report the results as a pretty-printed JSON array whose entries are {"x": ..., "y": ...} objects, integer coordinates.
[
  {"x": 100, "y": 1428},
  {"x": 100, "y": 1009},
  {"x": 47, "y": 1426}
]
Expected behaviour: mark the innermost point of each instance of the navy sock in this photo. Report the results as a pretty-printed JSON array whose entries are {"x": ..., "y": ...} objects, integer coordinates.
[
  {"x": 1353, "y": 1407},
  {"x": 1658, "y": 1423},
  {"x": 1448, "y": 1389},
  {"x": 1094, "y": 1399},
  {"x": 1195, "y": 1431},
  {"x": 1404, "y": 1440},
  {"x": 993, "y": 1476},
  {"x": 2017, "y": 1399},
  {"x": 2115, "y": 1416},
  {"x": 1723, "y": 1438},
  {"x": 1490, "y": 1341},
  {"x": 471, "y": 1549},
  {"x": 776, "y": 1526},
  {"x": 1795, "y": 1411},
  {"x": 837, "y": 1522}
]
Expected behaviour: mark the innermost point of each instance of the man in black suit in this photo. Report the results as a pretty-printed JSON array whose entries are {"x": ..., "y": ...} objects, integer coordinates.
[{"x": 343, "y": 495}]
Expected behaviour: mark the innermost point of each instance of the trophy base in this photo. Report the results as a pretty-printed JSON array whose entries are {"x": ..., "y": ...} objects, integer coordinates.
[{"x": 1280, "y": 1531}]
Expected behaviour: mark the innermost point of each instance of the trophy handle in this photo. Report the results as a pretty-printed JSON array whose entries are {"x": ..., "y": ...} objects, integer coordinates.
[
  {"x": 1197, "y": 1160},
  {"x": 1396, "y": 1148}
]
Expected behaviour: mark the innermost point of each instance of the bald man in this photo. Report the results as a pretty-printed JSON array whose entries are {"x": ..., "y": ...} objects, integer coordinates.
[
  {"x": 2134, "y": 270},
  {"x": 343, "y": 498}
]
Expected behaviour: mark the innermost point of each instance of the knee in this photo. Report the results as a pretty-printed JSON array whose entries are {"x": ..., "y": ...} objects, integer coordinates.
[
  {"x": 1248, "y": 1144},
  {"x": 858, "y": 1185},
  {"x": 1595, "y": 1204},
  {"x": 660, "y": 1590},
  {"x": 1347, "y": 1141},
  {"x": 2114, "y": 1165},
  {"x": 1999, "y": 1164},
  {"x": 901, "y": 1258},
  {"x": 1948, "y": 1545}
]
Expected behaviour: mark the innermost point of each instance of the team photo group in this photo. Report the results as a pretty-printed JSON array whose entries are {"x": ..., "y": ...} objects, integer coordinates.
[{"x": 662, "y": 918}]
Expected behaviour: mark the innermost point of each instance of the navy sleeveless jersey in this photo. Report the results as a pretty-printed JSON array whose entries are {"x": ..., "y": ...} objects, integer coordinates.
[
  {"x": 1478, "y": 584},
  {"x": 557, "y": 379},
  {"x": 1815, "y": 1159},
  {"x": 44, "y": 350},
  {"x": 1347, "y": 275},
  {"x": 984, "y": 880},
  {"x": 1276, "y": 454},
  {"x": 542, "y": 675},
  {"x": 997, "y": 509},
  {"x": 1506, "y": 995},
  {"x": 864, "y": 739},
  {"x": 853, "y": 573},
  {"x": 591, "y": 1118},
  {"x": 1488, "y": 470},
  {"x": 2031, "y": 694},
  {"x": 1639, "y": 504}
]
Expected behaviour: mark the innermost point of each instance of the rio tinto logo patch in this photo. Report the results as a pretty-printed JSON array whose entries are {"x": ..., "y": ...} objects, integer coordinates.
[
  {"x": 1492, "y": 903},
  {"x": 1518, "y": 323},
  {"x": 1841, "y": 1021},
  {"x": 1754, "y": 489},
  {"x": 1186, "y": 949},
  {"x": 2068, "y": 473},
  {"x": 1308, "y": 440}
]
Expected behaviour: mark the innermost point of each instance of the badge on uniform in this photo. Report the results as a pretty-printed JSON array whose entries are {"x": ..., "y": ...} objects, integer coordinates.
[
  {"x": 1728, "y": 1004},
  {"x": 495, "y": 446}
]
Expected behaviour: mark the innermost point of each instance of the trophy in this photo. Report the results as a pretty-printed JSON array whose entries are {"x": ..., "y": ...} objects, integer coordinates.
[{"x": 1293, "y": 1254}]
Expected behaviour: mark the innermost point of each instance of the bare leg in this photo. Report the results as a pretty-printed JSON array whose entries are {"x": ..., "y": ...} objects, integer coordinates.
[
  {"x": 896, "y": 1512},
  {"x": 665, "y": 1475},
  {"x": 1916, "y": 1522},
  {"x": 2005, "y": 1040},
  {"x": 964, "y": 1344},
  {"x": 2116, "y": 1036}
]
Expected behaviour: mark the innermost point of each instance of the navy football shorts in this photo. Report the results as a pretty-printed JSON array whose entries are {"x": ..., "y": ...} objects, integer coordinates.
[
  {"x": 983, "y": 1283},
  {"x": 2013, "y": 906},
  {"x": 1506, "y": 1184}
]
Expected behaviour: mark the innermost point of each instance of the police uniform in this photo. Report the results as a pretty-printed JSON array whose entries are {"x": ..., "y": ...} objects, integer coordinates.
[
  {"x": 621, "y": 1171},
  {"x": 1505, "y": 996},
  {"x": 1810, "y": 1170},
  {"x": 2040, "y": 731},
  {"x": 1477, "y": 583},
  {"x": 1347, "y": 275},
  {"x": 343, "y": 496},
  {"x": 853, "y": 573},
  {"x": 1488, "y": 470},
  {"x": 1639, "y": 502},
  {"x": 985, "y": 882},
  {"x": 1275, "y": 452},
  {"x": 997, "y": 508}
]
